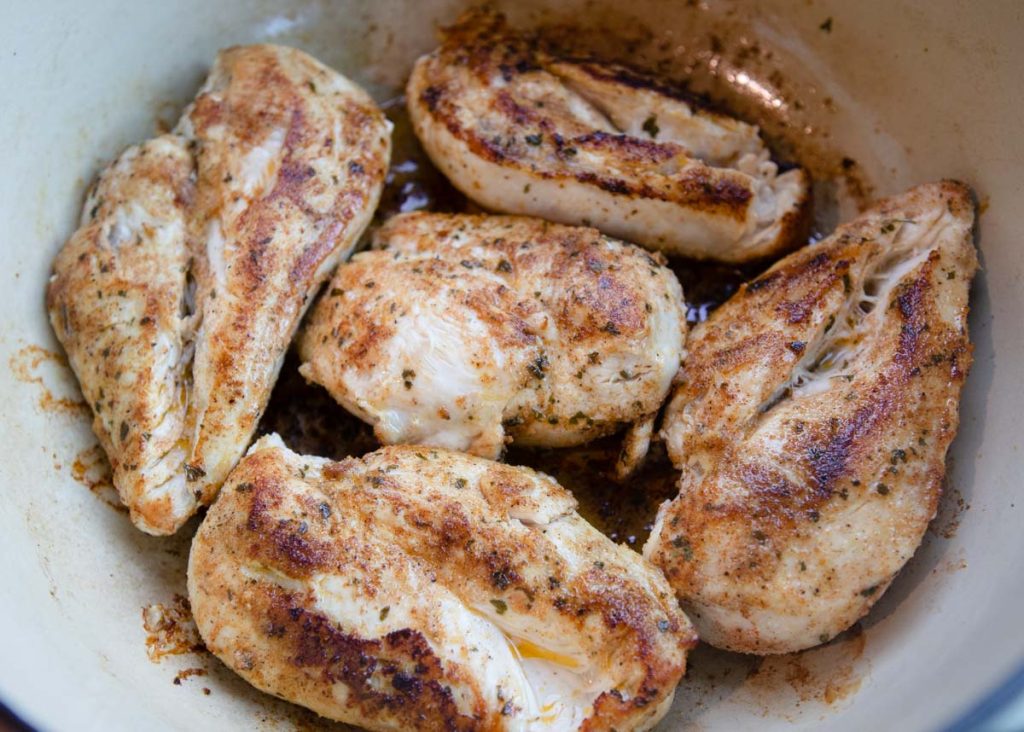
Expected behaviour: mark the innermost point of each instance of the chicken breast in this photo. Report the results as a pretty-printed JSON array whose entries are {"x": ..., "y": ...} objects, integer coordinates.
[
  {"x": 812, "y": 423},
  {"x": 521, "y": 130},
  {"x": 416, "y": 588},
  {"x": 464, "y": 331},
  {"x": 195, "y": 259},
  {"x": 117, "y": 304}
]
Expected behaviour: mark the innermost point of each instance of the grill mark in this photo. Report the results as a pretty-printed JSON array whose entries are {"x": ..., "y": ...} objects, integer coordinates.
[
  {"x": 633, "y": 148},
  {"x": 697, "y": 186},
  {"x": 634, "y": 79}
]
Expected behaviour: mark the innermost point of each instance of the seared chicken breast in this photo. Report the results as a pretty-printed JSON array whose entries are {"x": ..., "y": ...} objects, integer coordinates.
[
  {"x": 195, "y": 258},
  {"x": 521, "y": 130},
  {"x": 117, "y": 304},
  {"x": 416, "y": 588},
  {"x": 811, "y": 426},
  {"x": 464, "y": 331}
]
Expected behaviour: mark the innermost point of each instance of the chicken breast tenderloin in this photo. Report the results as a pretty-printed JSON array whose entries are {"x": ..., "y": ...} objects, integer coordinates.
[
  {"x": 458, "y": 330},
  {"x": 195, "y": 259},
  {"x": 416, "y": 588},
  {"x": 812, "y": 423},
  {"x": 520, "y": 130}
]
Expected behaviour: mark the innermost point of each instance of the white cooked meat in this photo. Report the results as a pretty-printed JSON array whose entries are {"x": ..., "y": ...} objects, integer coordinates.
[
  {"x": 196, "y": 256},
  {"x": 416, "y": 588},
  {"x": 464, "y": 331},
  {"x": 811, "y": 426},
  {"x": 520, "y": 130}
]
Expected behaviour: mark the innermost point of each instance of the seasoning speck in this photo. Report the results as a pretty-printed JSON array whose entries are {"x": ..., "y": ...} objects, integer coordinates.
[{"x": 650, "y": 126}]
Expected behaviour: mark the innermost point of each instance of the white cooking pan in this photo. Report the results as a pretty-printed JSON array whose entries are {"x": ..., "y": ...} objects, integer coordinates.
[{"x": 908, "y": 91}]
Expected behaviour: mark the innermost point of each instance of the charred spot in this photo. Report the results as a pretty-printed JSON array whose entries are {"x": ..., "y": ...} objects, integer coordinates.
[
  {"x": 282, "y": 542},
  {"x": 538, "y": 366},
  {"x": 413, "y": 689},
  {"x": 828, "y": 461},
  {"x": 298, "y": 551},
  {"x": 763, "y": 281},
  {"x": 633, "y": 148},
  {"x": 723, "y": 193},
  {"x": 492, "y": 149},
  {"x": 503, "y": 577},
  {"x": 431, "y": 96},
  {"x": 828, "y": 458},
  {"x": 407, "y": 684},
  {"x": 455, "y": 530},
  {"x": 614, "y": 185},
  {"x": 821, "y": 259}
]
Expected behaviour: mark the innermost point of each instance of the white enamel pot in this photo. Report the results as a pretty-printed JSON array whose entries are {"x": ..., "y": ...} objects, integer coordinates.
[{"x": 910, "y": 91}]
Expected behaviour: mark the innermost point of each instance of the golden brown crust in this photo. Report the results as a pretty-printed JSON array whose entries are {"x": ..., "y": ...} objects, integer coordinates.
[
  {"x": 496, "y": 541},
  {"x": 282, "y": 241},
  {"x": 494, "y": 108},
  {"x": 556, "y": 332},
  {"x": 812, "y": 423},
  {"x": 269, "y": 178},
  {"x": 485, "y": 45},
  {"x": 115, "y": 304}
]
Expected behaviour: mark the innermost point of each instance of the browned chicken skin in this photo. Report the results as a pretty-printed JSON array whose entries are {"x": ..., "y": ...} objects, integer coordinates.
[{"x": 812, "y": 423}]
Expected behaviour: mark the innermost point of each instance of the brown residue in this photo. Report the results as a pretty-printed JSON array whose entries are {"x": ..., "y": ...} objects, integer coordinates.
[
  {"x": 29, "y": 365},
  {"x": 625, "y": 511},
  {"x": 92, "y": 469},
  {"x": 951, "y": 566},
  {"x": 855, "y": 183},
  {"x": 188, "y": 673},
  {"x": 826, "y": 675},
  {"x": 412, "y": 182},
  {"x": 951, "y": 510},
  {"x": 170, "y": 629},
  {"x": 310, "y": 421}
]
